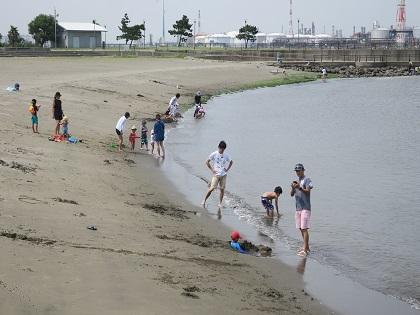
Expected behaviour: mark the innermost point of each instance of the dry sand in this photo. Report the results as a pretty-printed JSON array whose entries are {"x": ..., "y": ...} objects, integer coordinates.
[{"x": 152, "y": 253}]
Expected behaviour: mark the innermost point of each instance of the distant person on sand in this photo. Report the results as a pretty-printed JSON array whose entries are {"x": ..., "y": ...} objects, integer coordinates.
[
  {"x": 133, "y": 137},
  {"x": 57, "y": 112},
  {"x": 159, "y": 135},
  {"x": 119, "y": 129},
  {"x": 33, "y": 109},
  {"x": 324, "y": 73},
  {"x": 219, "y": 164},
  {"x": 173, "y": 108},
  {"x": 301, "y": 190},
  {"x": 267, "y": 201},
  {"x": 199, "y": 110},
  {"x": 144, "y": 134}
]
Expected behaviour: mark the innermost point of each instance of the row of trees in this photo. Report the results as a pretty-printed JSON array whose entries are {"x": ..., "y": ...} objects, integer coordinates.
[
  {"x": 182, "y": 29},
  {"x": 42, "y": 29}
]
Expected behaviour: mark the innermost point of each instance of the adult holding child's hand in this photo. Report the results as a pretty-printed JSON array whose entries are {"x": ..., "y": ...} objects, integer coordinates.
[{"x": 57, "y": 112}]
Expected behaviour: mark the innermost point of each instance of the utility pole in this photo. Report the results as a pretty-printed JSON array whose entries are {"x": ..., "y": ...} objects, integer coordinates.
[
  {"x": 144, "y": 35},
  {"x": 195, "y": 22},
  {"x": 298, "y": 30},
  {"x": 94, "y": 33},
  {"x": 105, "y": 35},
  {"x": 55, "y": 28},
  {"x": 163, "y": 22}
]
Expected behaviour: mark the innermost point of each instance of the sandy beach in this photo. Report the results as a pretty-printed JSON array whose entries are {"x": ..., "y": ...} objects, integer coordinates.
[{"x": 153, "y": 253}]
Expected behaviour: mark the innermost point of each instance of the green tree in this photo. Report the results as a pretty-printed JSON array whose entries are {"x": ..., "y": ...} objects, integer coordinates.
[
  {"x": 247, "y": 33},
  {"x": 182, "y": 29},
  {"x": 130, "y": 33},
  {"x": 42, "y": 29},
  {"x": 14, "y": 36},
  {"x": 1, "y": 37}
]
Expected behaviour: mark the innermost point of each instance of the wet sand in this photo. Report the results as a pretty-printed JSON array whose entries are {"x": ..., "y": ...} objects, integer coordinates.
[{"x": 153, "y": 253}]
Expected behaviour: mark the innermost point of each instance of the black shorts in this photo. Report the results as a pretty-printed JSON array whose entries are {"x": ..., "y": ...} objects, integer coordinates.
[
  {"x": 118, "y": 132},
  {"x": 58, "y": 116}
]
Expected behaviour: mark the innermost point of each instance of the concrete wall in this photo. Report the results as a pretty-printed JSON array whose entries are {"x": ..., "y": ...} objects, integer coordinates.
[{"x": 66, "y": 39}]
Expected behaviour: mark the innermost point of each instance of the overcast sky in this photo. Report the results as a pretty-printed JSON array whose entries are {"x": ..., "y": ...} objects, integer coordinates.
[{"x": 216, "y": 15}]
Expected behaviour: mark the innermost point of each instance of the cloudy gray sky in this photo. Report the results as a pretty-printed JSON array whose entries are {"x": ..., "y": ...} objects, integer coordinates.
[{"x": 217, "y": 15}]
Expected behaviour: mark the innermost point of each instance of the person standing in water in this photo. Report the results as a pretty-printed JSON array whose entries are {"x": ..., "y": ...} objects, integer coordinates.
[
  {"x": 301, "y": 190},
  {"x": 57, "y": 112},
  {"x": 219, "y": 164},
  {"x": 159, "y": 135}
]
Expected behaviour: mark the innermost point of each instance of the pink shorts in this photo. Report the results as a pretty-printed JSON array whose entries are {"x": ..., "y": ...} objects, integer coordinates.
[{"x": 302, "y": 218}]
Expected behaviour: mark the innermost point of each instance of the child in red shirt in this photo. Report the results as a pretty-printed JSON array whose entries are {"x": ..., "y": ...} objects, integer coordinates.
[{"x": 133, "y": 137}]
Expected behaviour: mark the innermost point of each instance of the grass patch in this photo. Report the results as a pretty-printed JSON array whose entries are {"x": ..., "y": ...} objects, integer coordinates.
[{"x": 277, "y": 81}]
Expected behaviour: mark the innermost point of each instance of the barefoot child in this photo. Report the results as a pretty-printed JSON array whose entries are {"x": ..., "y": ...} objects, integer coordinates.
[
  {"x": 65, "y": 126},
  {"x": 152, "y": 139},
  {"x": 33, "y": 109},
  {"x": 132, "y": 138},
  {"x": 144, "y": 132},
  {"x": 267, "y": 201}
]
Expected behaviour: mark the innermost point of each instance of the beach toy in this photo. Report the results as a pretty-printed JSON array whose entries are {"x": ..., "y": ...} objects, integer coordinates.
[{"x": 235, "y": 236}]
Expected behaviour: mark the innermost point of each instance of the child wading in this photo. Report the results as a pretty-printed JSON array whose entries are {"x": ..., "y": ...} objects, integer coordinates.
[
  {"x": 152, "y": 139},
  {"x": 267, "y": 201},
  {"x": 132, "y": 138},
  {"x": 301, "y": 190},
  {"x": 144, "y": 132},
  {"x": 33, "y": 109}
]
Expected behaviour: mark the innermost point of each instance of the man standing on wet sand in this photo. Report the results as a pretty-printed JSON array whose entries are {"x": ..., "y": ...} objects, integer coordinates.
[
  {"x": 301, "y": 190},
  {"x": 159, "y": 135},
  {"x": 219, "y": 164}
]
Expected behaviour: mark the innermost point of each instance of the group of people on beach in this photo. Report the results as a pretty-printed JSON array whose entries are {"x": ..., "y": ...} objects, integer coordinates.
[
  {"x": 220, "y": 163},
  {"x": 61, "y": 121},
  {"x": 157, "y": 135}
]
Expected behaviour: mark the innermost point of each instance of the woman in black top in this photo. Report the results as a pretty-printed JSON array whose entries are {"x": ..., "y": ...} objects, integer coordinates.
[{"x": 57, "y": 112}]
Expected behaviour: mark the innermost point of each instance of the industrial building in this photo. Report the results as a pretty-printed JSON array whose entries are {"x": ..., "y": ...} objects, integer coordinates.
[{"x": 79, "y": 35}]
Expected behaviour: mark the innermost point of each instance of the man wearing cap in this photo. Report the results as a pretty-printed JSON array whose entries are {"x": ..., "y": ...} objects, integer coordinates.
[{"x": 301, "y": 190}]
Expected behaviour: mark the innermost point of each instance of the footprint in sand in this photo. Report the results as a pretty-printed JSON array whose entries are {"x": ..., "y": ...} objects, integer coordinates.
[{"x": 31, "y": 200}]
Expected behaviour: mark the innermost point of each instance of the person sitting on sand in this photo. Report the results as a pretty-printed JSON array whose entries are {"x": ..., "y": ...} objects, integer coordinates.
[
  {"x": 119, "y": 129},
  {"x": 246, "y": 247},
  {"x": 33, "y": 109},
  {"x": 144, "y": 132},
  {"x": 267, "y": 201},
  {"x": 132, "y": 138},
  {"x": 234, "y": 243},
  {"x": 65, "y": 127}
]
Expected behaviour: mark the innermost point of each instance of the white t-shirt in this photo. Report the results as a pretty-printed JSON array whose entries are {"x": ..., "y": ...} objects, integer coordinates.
[
  {"x": 173, "y": 106},
  {"x": 220, "y": 162},
  {"x": 324, "y": 71},
  {"x": 121, "y": 124}
]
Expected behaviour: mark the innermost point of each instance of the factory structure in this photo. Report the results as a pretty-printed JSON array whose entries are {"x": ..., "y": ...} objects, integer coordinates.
[{"x": 400, "y": 34}]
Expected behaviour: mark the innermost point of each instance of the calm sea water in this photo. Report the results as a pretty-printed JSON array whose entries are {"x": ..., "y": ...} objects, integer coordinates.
[{"x": 360, "y": 143}]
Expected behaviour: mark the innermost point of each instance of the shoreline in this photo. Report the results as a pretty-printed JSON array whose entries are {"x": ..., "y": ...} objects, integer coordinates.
[
  {"x": 149, "y": 241},
  {"x": 321, "y": 278}
]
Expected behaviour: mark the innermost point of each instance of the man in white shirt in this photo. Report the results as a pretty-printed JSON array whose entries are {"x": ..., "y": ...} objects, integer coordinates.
[
  {"x": 119, "y": 129},
  {"x": 173, "y": 105},
  {"x": 219, "y": 163}
]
